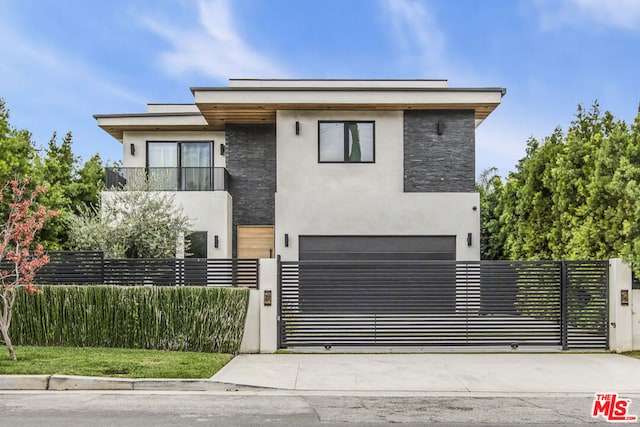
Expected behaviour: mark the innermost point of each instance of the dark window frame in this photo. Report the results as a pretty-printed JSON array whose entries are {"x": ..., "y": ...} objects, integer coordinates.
[
  {"x": 179, "y": 167},
  {"x": 206, "y": 243},
  {"x": 346, "y": 141}
]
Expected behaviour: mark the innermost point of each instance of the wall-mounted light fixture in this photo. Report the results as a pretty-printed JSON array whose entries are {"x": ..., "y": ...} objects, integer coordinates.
[
  {"x": 286, "y": 240},
  {"x": 222, "y": 149},
  {"x": 469, "y": 239},
  {"x": 132, "y": 149},
  {"x": 297, "y": 128},
  {"x": 215, "y": 241},
  {"x": 440, "y": 127}
]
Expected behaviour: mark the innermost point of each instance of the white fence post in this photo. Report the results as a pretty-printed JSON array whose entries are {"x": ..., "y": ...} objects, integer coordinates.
[
  {"x": 251, "y": 337},
  {"x": 620, "y": 306},
  {"x": 268, "y": 305}
]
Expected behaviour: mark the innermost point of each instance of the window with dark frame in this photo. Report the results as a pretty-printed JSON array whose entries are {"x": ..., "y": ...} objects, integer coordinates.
[
  {"x": 181, "y": 165},
  {"x": 346, "y": 142},
  {"x": 196, "y": 244}
]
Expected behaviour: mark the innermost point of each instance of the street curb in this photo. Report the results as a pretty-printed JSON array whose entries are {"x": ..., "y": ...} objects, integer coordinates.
[
  {"x": 178, "y": 385},
  {"x": 75, "y": 382},
  {"x": 24, "y": 382},
  {"x": 72, "y": 382}
]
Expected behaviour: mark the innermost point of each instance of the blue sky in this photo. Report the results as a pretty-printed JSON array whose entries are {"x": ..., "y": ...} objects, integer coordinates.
[{"x": 63, "y": 61}]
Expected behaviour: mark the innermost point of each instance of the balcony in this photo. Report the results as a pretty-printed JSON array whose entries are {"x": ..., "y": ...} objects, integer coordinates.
[{"x": 168, "y": 179}]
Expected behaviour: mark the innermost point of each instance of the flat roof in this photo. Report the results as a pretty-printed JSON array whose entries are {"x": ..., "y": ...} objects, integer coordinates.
[
  {"x": 255, "y": 101},
  {"x": 336, "y": 83}
]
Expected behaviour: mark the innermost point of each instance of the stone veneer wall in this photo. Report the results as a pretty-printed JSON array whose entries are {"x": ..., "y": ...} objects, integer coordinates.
[{"x": 439, "y": 163}]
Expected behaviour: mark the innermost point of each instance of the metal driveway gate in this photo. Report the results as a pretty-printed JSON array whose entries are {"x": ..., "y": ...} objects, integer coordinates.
[{"x": 444, "y": 303}]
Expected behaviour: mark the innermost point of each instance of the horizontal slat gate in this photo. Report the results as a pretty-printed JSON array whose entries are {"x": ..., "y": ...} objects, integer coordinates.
[
  {"x": 429, "y": 303},
  {"x": 587, "y": 302}
]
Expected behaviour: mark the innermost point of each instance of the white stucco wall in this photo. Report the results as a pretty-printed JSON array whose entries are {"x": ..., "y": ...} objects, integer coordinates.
[
  {"x": 391, "y": 214},
  {"x": 360, "y": 199},
  {"x": 140, "y": 138},
  {"x": 251, "y": 336},
  {"x": 209, "y": 211},
  {"x": 621, "y": 326},
  {"x": 298, "y": 167}
]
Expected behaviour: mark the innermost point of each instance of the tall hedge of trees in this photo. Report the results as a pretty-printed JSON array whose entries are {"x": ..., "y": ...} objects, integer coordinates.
[
  {"x": 72, "y": 185},
  {"x": 575, "y": 195}
]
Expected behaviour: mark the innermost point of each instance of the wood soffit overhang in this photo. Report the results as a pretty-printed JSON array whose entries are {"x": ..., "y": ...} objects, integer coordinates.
[{"x": 219, "y": 113}]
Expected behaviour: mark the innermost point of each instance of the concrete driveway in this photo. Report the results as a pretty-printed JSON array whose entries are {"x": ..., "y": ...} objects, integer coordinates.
[{"x": 500, "y": 374}]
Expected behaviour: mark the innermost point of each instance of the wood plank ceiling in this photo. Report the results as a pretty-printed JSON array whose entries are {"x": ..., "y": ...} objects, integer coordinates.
[{"x": 217, "y": 115}]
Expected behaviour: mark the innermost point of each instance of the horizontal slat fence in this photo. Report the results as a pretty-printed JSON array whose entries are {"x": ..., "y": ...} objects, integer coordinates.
[
  {"x": 88, "y": 268},
  {"x": 68, "y": 268}
]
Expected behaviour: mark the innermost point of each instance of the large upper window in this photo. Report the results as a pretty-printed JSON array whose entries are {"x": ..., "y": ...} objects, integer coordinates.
[
  {"x": 180, "y": 165},
  {"x": 346, "y": 142}
]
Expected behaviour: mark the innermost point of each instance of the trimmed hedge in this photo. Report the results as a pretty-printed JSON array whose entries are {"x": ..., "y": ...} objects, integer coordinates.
[{"x": 162, "y": 318}]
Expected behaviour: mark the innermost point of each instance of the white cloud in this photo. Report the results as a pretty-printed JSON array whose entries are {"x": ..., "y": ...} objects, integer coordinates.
[
  {"x": 213, "y": 48},
  {"x": 623, "y": 14},
  {"x": 420, "y": 40},
  {"x": 34, "y": 65}
]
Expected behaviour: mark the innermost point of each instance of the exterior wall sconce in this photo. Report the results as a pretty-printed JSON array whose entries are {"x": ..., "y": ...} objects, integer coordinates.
[
  {"x": 132, "y": 149},
  {"x": 215, "y": 241},
  {"x": 222, "y": 149},
  {"x": 286, "y": 240},
  {"x": 440, "y": 127},
  {"x": 469, "y": 239},
  {"x": 297, "y": 128}
]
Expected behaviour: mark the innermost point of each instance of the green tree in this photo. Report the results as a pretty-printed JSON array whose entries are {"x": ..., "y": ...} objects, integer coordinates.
[
  {"x": 88, "y": 184},
  {"x": 135, "y": 221},
  {"x": 56, "y": 171},
  {"x": 626, "y": 215},
  {"x": 526, "y": 210},
  {"x": 18, "y": 152},
  {"x": 492, "y": 237},
  {"x": 72, "y": 187},
  {"x": 573, "y": 196}
]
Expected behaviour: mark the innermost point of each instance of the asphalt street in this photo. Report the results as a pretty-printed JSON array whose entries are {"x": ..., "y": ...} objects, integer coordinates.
[{"x": 277, "y": 408}]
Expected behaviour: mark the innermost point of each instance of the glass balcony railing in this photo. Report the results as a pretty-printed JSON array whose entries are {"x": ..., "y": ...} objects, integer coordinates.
[{"x": 167, "y": 179}]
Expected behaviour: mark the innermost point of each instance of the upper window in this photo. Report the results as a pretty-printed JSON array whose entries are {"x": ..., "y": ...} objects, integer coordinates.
[
  {"x": 181, "y": 165},
  {"x": 346, "y": 142}
]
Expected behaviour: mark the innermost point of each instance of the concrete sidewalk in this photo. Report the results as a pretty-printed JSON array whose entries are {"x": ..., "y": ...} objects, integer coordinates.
[{"x": 466, "y": 373}]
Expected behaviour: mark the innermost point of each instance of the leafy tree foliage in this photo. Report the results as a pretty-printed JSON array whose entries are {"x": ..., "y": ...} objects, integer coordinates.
[
  {"x": 72, "y": 186},
  {"x": 17, "y": 152},
  {"x": 573, "y": 195},
  {"x": 135, "y": 221},
  {"x": 19, "y": 256},
  {"x": 490, "y": 188}
]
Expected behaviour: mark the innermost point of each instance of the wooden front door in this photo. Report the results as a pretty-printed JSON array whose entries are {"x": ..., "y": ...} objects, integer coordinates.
[{"x": 256, "y": 241}]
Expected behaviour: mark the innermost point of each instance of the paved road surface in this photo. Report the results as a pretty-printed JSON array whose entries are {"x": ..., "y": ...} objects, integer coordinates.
[{"x": 139, "y": 409}]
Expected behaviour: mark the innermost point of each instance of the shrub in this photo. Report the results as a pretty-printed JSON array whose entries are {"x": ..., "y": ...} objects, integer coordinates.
[{"x": 163, "y": 318}]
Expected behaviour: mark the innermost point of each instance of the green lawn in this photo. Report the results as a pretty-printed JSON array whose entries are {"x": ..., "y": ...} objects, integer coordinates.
[{"x": 111, "y": 362}]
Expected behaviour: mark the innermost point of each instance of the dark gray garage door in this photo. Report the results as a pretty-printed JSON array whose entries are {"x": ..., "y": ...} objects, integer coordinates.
[
  {"x": 347, "y": 274},
  {"x": 388, "y": 248}
]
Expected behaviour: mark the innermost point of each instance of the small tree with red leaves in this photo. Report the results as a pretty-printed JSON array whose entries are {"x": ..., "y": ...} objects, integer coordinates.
[{"x": 20, "y": 258}]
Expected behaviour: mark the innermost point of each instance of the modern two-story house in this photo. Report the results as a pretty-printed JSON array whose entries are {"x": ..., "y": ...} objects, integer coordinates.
[{"x": 317, "y": 169}]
